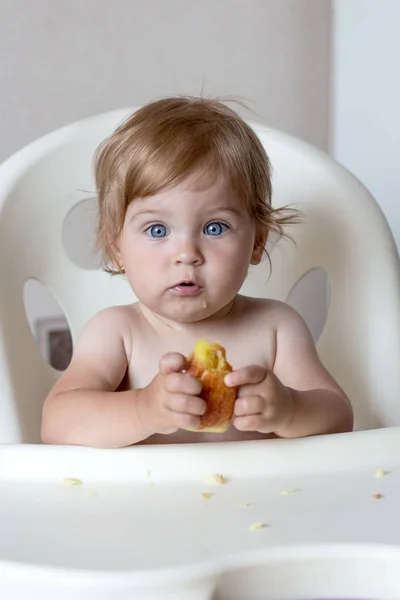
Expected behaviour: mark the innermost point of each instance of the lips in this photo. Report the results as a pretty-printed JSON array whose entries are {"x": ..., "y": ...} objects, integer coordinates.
[{"x": 186, "y": 288}]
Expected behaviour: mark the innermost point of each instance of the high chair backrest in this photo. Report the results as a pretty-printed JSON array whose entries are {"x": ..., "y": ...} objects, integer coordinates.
[{"x": 343, "y": 232}]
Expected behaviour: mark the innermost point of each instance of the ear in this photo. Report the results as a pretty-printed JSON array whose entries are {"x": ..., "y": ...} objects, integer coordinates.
[
  {"x": 257, "y": 256},
  {"x": 259, "y": 247}
]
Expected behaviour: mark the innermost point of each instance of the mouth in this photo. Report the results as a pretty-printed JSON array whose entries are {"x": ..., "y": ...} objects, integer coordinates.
[{"x": 186, "y": 288}]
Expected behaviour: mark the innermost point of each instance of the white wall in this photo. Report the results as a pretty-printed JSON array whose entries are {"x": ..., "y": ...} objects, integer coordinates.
[
  {"x": 63, "y": 60},
  {"x": 366, "y": 97}
]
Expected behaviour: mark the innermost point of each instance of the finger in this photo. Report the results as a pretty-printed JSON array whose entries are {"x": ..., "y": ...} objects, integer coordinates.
[
  {"x": 251, "y": 405},
  {"x": 246, "y": 375},
  {"x": 182, "y": 383},
  {"x": 269, "y": 387},
  {"x": 184, "y": 421},
  {"x": 250, "y": 423},
  {"x": 173, "y": 362},
  {"x": 191, "y": 405}
]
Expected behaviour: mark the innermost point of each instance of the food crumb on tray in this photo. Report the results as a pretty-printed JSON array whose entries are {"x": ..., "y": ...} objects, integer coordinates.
[
  {"x": 72, "y": 481},
  {"x": 290, "y": 492},
  {"x": 216, "y": 479},
  {"x": 207, "y": 495},
  {"x": 378, "y": 496},
  {"x": 258, "y": 525},
  {"x": 381, "y": 472},
  {"x": 243, "y": 505}
]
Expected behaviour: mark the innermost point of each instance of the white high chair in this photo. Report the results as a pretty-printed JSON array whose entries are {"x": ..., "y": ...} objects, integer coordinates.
[{"x": 139, "y": 523}]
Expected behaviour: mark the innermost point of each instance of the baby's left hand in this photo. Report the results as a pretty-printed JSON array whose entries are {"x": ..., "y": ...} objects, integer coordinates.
[{"x": 263, "y": 404}]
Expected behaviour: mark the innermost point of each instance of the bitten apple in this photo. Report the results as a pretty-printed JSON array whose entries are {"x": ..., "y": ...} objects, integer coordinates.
[{"x": 208, "y": 364}]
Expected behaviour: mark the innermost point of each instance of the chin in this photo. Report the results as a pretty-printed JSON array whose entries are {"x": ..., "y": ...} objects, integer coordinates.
[
  {"x": 189, "y": 318},
  {"x": 185, "y": 314},
  {"x": 200, "y": 314}
]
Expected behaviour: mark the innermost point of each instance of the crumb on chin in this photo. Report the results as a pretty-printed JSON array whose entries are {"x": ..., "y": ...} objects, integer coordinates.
[
  {"x": 204, "y": 304},
  {"x": 216, "y": 479},
  {"x": 72, "y": 481}
]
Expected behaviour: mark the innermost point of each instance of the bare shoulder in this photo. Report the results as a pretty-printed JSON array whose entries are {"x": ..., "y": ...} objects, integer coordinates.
[
  {"x": 296, "y": 363},
  {"x": 102, "y": 352},
  {"x": 276, "y": 313},
  {"x": 115, "y": 321},
  {"x": 293, "y": 339},
  {"x": 120, "y": 314},
  {"x": 288, "y": 325}
]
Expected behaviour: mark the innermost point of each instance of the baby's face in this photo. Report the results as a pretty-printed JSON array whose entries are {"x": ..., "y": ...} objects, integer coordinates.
[{"x": 186, "y": 251}]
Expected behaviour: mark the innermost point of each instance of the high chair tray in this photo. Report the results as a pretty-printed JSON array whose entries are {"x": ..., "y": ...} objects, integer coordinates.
[{"x": 316, "y": 517}]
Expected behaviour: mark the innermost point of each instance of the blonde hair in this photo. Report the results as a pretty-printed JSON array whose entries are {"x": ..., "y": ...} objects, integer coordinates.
[{"x": 164, "y": 142}]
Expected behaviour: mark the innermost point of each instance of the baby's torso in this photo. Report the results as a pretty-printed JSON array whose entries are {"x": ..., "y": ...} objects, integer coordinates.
[{"x": 248, "y": 335}]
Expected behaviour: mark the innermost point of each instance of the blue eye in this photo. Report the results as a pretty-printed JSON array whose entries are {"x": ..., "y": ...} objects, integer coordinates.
[
  {"x": 157, "y": 231},
  {"x": 215, "y": 228}
]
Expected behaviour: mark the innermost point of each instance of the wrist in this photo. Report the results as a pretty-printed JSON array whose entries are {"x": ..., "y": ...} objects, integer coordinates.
[
  {"x": 285, "y": 429},
  {"x": 143, "y": 411}
]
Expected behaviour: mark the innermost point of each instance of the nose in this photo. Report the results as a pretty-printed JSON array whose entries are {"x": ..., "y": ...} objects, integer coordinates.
[{"x": 188, "y": 253}]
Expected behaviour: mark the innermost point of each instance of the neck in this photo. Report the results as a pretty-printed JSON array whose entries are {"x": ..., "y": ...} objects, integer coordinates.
[{"x": 164, "y": 324}]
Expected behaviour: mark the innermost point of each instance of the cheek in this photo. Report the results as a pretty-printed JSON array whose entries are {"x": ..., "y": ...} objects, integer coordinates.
[
  {"x": 232, "y": 262},
  {"x": 239, "y": 249},
  {"x": 136, "y": 247}
]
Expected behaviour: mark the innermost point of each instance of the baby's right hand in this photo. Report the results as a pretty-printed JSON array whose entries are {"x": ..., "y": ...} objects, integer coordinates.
[{"x": 171, "y": 400}]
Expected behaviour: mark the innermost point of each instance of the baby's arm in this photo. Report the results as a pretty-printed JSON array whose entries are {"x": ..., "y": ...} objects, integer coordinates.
[
  {"x": 83, "y": 407},
  {"x": 320, "y": 405},
  {"x": 298, "y": 397}
]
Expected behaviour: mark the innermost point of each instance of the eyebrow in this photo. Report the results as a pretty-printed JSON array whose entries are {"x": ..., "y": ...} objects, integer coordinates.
[
  {"x": 216, "y": 209},
  {"x": 146, "y": 211},
  {"x": 235, "y": 211}
]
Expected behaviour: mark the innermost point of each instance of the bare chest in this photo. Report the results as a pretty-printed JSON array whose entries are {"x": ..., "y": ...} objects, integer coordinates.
[{"x": 245, "y": 344}]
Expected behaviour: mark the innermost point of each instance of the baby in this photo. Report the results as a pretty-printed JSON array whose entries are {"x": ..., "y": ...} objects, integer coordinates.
[{"x": 184, "y": 193}]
